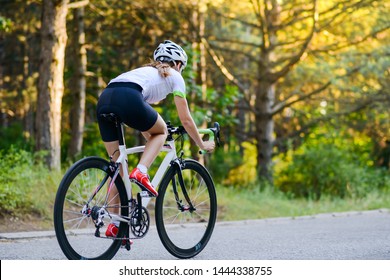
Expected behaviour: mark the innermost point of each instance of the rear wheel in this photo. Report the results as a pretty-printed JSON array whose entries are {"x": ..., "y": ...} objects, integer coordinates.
[{"x": 80, "y": 225}]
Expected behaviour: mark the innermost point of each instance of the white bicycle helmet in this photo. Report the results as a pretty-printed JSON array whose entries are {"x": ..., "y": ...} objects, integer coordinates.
[{"x": 170, "y": 51}]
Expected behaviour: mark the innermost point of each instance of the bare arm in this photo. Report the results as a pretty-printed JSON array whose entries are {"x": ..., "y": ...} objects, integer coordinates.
[{"x": 189, "y": 124}]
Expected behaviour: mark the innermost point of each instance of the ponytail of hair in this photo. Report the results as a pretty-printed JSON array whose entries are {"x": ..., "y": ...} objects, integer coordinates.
[{"x": 162, "y": 67}]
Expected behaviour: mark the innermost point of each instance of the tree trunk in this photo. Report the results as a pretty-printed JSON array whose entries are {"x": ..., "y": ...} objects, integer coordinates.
[
  {"x": 3, "y": 111},
  {"x": 199, "y": 65},
  {"x": 265, "y": 95},
  {"x": 51, "y": 82},
  {"x": 264, "y": 124},
  {"x": 77, "y": 115}
]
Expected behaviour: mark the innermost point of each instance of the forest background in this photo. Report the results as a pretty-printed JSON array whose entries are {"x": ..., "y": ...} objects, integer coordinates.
[{"x": 300, "y": 88}]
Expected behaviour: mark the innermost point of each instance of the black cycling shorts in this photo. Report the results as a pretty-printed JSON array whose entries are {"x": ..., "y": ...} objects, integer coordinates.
[{"x": 127, "y": 102}]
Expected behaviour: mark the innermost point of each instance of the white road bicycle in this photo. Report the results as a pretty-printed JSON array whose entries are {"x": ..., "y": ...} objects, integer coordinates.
[{"x": 185, "y": 209}]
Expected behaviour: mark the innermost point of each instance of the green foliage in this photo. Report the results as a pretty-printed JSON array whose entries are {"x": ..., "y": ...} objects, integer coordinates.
[
  {"x": 25, "y": 184},
  {"x": 92, "y": 142},
  {"x": 333, "y": 166},
  {"x": 5, "y": 24},
  {"x": 221, "y": 105},
  {"x": 245, "y": 173},
  {"x": 221, "y": 162},
  {"x": 13, "y": 136}
]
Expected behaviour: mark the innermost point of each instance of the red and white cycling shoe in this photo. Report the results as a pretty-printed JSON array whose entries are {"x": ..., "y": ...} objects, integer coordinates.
[
  {"x": 143, "y": 181},
  {"x": 112, "y": 231}
]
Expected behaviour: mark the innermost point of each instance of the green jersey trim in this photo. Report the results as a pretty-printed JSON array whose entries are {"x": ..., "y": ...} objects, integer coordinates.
[{"x": 179, "y": 93}]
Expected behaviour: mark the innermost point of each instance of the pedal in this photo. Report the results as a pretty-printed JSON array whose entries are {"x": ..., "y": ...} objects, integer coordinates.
[
  {"x": 128, "y": 245},
  {"x": 145, "y": 194},
  {"x": 97, "y": 232}
]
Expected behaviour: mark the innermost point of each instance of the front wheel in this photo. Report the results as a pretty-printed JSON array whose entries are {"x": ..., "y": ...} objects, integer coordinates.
[
  {"x": 186, "y": 209},
  {"x": 83, "y": 208}
]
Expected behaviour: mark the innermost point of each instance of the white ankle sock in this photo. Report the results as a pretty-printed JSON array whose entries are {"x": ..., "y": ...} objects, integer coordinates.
[{"x": 142, "y": 168}]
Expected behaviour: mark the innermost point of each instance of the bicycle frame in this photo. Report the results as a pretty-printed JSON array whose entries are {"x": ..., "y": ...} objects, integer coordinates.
[{"x": 171, "y": 155}]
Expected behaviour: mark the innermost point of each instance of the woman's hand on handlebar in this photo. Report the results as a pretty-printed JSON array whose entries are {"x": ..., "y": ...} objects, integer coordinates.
[{"x": 207, "y": 146}]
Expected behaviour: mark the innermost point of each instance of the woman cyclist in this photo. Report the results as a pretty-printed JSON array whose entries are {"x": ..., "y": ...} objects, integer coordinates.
[{"x": 129, "y": 96}]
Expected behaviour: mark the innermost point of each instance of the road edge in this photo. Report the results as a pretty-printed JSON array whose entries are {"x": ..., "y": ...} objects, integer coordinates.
[{"x": 50, "y": 233}]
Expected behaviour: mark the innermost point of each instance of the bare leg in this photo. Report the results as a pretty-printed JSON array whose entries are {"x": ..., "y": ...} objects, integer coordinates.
[
  {"x": 157, "y": 136},
  {"x": 113, "y": 151},
  {"x": 146, "y": 135}
]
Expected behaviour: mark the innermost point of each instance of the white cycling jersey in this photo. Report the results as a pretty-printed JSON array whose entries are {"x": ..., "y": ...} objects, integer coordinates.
[{"x": 155, "y": 87}]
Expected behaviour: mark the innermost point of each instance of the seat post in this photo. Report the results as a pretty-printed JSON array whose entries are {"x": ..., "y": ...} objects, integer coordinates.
[
  {"x": 119, "y": 126},
  {"x": 121, "y": 135}
]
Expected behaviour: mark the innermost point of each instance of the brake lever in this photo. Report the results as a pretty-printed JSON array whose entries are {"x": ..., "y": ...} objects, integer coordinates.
[
  {"x": 214, "y": 134},
  {"x": 216, "y": 130}
]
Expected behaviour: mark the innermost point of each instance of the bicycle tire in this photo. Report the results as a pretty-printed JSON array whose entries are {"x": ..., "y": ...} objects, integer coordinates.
[
  {"x": 185, "y": 233},
  {"x": 76, "y": 231}
]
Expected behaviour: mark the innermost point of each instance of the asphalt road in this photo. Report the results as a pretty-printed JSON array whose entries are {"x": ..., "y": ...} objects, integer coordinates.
[{"x": 336, "y": 236}]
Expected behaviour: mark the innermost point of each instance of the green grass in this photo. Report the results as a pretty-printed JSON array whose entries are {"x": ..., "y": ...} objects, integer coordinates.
[
  {"x": 26, "y": 185},
  {"x": 236, "y": 204},
  {"x": 39, "y": 187}
]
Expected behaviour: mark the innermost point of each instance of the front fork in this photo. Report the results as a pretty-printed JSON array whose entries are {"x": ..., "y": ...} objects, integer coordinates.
[{"x": 179, "y": 164}]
